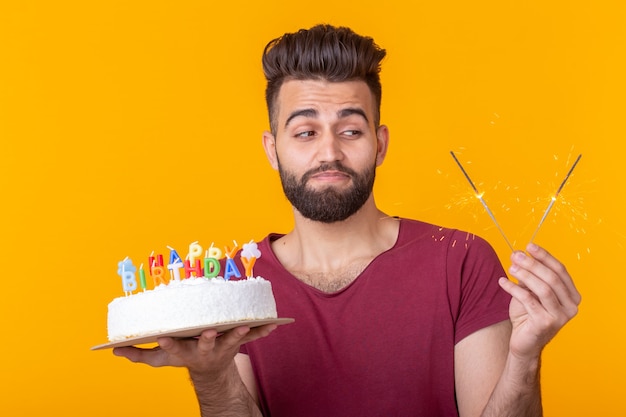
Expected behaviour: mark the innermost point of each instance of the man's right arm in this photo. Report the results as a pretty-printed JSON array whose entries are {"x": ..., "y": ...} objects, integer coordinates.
[
  {"x": 211, "y": 365},
  {"x": 224, "y": 396}
]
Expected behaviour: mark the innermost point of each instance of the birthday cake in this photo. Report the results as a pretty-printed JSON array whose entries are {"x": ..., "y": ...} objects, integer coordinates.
[
  {"x": 189, "y": 303},
  {"x": 200, "y": 298}
]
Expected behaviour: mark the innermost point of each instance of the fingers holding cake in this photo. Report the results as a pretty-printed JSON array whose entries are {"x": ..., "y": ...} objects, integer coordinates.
[
  {"x": 244, "y": 334},
  {"x": 226, "y": 346},
  {"x": 193, "y": 353},
  {"x": 207, "y": 353},
  {"x": 154, "y": 357},
  {"x": 210, "y": 352}
]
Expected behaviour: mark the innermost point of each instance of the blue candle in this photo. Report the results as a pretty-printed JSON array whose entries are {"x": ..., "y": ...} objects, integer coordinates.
[{"x": 126, "y": 270}]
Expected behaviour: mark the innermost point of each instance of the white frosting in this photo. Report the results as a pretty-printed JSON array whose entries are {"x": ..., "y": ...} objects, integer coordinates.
[{"x": 190, "y": 302}]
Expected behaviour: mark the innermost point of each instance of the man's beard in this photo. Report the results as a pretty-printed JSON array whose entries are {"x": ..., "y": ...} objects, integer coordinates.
[{"x": 328, "y": 205}]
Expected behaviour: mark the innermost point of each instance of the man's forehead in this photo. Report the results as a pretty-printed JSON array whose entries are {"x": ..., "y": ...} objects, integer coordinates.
[{"x": 323, "y": 96}]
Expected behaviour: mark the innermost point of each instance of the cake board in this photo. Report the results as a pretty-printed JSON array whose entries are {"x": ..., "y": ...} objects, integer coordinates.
[{"x": 189, "y": 332}]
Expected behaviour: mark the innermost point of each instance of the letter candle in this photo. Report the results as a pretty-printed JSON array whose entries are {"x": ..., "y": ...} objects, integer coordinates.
[
  {"x": 192, "y": 270},
  {"x": 142, "y": 277},
  {"x": 156, "y": 268},
  {"x": 553, "y": 199},
  {"x": 152, "y": 261},
  {"x": 175, "y": 264},
  {"x": 126, "y": 270},
  {"x": 480, "y": 197},
  {"x": 175, "y": 270},
  {"x": 158, "y": 275},
  {"x": 249, "y": 254},
  {"x": 211, "y": 264},
  {"x": 173, "y": 255},
  {"x": 195, "y": 251},
  {"x": 192, "y": 263},
  {"x": 214, "y": 252},
  {"x": 230, "y": 269}
]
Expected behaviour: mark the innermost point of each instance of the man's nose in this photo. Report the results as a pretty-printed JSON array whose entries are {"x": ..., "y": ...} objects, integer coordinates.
[{"x": 329, "y": 148}]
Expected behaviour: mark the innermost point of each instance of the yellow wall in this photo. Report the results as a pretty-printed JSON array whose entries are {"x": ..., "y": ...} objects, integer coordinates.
[{"x": 126, "y": 126}]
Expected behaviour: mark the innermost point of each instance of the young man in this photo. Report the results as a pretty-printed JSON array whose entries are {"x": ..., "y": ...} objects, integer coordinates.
[{"x": 394, "y": 317}]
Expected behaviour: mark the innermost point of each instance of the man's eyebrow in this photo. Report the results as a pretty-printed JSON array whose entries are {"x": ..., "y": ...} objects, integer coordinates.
[
  {"x": 312, "y": 113},
  {"x": 350, "y": 111},
  {"x": 303, "y": 113}
]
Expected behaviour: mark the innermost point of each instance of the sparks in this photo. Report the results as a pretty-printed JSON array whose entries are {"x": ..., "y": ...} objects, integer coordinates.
[
  {"x": 482, "y": 200},
  {"x": 554, "y": 197}
]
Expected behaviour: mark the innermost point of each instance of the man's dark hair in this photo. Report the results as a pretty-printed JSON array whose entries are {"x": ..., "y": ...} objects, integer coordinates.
[{"x": 323, "y": 52}]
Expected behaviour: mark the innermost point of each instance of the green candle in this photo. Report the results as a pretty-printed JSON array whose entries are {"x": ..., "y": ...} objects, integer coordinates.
[{"x": 142, "y": 277}]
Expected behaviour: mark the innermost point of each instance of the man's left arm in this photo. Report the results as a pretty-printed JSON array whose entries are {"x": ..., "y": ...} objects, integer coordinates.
[{"x": 497, "y": 368}]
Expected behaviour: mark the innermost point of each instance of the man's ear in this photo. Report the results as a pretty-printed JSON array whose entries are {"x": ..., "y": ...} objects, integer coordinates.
[
  {"x": 269, "y": 144},
  {"x": 382, "y": 142}
]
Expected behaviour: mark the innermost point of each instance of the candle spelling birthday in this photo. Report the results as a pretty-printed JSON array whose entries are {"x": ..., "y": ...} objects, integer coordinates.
[
  {"x": 482, "y": 200},
  {"x": 553, "y": 199}
]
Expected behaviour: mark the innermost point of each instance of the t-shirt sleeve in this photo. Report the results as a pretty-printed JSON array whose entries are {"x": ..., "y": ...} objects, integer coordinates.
[{"x": 477, "y": 300}]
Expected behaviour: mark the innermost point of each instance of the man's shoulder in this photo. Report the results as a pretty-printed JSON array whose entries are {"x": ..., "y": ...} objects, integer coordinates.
[
  {"x": 418, "y": 227},
  {"x": 411, "y": 229}
]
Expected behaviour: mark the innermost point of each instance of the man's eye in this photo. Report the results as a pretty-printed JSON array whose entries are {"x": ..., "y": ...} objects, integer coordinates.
[
  {"x": 352, "y": 133},
  {"x": 305, "y": 134}
]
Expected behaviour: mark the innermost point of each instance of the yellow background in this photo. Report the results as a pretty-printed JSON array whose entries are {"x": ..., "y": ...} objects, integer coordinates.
[{"x": 126, "y": 126}]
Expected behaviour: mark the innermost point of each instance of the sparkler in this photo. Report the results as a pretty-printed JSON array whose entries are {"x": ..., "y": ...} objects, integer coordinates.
[
  {"x": 553, "y": 199},
  {"x": 482, "y": 200}
]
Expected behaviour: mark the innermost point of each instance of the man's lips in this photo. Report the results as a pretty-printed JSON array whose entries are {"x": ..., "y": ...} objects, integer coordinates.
[{"x": 330, "y": 175}]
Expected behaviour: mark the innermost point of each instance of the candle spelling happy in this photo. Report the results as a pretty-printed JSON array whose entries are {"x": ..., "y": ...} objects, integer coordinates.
[
  {"x": 192, "y": 264},
  {"x": 175, "y": 264}
]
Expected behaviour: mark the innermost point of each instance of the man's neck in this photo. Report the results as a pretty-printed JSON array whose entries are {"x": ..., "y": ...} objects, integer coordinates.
[{"x": 329, "y": 256}]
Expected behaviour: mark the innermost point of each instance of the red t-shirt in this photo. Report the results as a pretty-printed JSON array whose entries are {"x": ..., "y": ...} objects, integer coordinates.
[{"x": 383, "y": 345}]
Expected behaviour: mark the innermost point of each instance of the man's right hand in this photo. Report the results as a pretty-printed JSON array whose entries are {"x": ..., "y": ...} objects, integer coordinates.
[{"x": 209, "y": 355}]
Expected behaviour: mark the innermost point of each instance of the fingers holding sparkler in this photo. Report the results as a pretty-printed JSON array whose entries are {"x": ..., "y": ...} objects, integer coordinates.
[
  {"x": 543, "y": 301},
  {"x": 544, "y": 298}
]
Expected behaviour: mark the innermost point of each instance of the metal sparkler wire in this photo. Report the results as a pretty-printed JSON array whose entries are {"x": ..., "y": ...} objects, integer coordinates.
[
  {"x": 480, "y": 197},
  {"x": 545, "y": 213}
]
